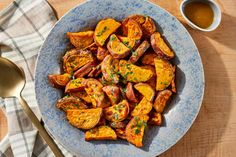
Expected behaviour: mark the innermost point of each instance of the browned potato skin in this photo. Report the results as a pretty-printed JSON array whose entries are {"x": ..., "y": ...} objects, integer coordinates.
[
  {"x": 138, "y": 18},
  {"x": 118, "y": 112},
  {"x": 81, "y": 39},
  {"x": 104, "y": 29},
  {"x": 132, "y": 135},
  {"x": 130, "y": 93},
  {"x": 161, "y": 100},
  {"x": 102, "y": 53},
  {"x": 100, "y": 133},
  {"x": 59, "y": 81},
  {"x": 148, "y": 27},
  {"x": 85, "y": 69},
  {"x": 91, "y": 48},
  {"x": 113, "y": 93},
  {"x": 132, "y": 29},
  {"x": 95, "y": 71},
  {"x": 160, "y": 46},
  {"x": 155, "y": 119},
  {"x": 110, "y": 68},
  {"x": 71, "y": 102},
  {"x": 82, "y": 95},
  {"x": 116, "y": 48},
  {"x": 121, "y": 133},
  {"x": 84, "y": 118},
  {"x": 94, "y": 89},
  {"x": 139, "y": 51},
  {"x": 102, "y": 121},
  {"x": 148, "y": 58},
  {"x": 75, "y": 85}
]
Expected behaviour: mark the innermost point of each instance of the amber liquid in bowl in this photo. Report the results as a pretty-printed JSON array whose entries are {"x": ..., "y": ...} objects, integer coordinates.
[{"x": 201, "y": 14}]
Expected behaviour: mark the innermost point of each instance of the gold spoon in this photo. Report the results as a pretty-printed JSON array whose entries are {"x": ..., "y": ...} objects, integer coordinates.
[{"x": 12, "y": 82}]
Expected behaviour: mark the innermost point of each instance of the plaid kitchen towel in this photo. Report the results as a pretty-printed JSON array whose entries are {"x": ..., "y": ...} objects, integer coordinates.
[{"x": 24, "y": 25}]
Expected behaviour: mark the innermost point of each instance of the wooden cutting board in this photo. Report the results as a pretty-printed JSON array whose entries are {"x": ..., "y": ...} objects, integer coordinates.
[{"x": 214, "y": 132}]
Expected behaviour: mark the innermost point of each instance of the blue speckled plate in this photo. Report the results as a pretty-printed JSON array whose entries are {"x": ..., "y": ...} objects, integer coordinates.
[{"x": 179, "y": 115}]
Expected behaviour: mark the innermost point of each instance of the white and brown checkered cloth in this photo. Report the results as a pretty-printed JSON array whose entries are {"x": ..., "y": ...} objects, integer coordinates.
[{"x": 24, "y": 25}]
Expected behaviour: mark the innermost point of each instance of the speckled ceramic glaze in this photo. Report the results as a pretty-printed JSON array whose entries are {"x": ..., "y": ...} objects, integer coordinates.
[{"x": 178, "y": 116}]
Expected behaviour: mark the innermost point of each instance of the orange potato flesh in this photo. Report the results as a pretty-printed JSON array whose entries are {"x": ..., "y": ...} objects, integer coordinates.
[
  {"x": 84, "y": 118},
  {"x": 160, "y": 46},
  {"x": 117, "y": 48},
  {"x": 164, "y": 73},
  {"x": 81, "y": 39},
  {"x": 59, "y": 81},
  {"x": 146, "y": 90},
  {"x": 132, "y": 28},
  {"x": 75, "y": 61},
  {"x": 121, "y": 133},
  {"x": 152, "y": 80},
  {"x": 104, "y": 29},
  {"x": 94, "y": 90},
  {"x": 173, "y": 86},
  {"x": 113, "y": 93},
  {"x": 82, "y": 95},
  {"x": 75, "y": 85},
  {"x": 100, "y": 133},
  {"x": 148, "y": 58},
  {"x": 68, "y": 103},
  {"x": 102, "y": 53},
  {"x": 135, "y": 130},
  {"x": 161, "y": 100},
  {"x": 118, "y": 112},
  {"x": 148, "y": 27},
  {"x": 109, "y": 69},
  {"x": 155, "y": 119},
  {"x": 143, "y": 107},
  {"x": 140, "y": 19},
  {"x": 128, "y": 42},
  {"x": 133, "y": 73}
]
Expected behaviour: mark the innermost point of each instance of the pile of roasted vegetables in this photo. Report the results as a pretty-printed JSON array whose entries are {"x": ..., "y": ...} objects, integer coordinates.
[{"x": 117, "y": 79}]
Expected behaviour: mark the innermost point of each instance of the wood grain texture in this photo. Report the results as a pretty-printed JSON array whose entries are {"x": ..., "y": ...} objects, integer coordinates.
[{"x": 214, "y": 132}]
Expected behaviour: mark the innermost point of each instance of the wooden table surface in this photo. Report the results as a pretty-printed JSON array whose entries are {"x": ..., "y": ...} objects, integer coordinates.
[{"x": 213, "y": 134}]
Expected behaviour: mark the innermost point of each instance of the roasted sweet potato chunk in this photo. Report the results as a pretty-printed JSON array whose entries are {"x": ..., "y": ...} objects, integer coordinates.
[
  {"x": 81, "y": 39},
  {"x": 161, "y": 100},
  {"x": 82, "y": 95},
  {"x": 129, "y": 42},
  {"x": 155, "y": 119},
  {"x": 118, "y": 125},
  {"x": 102, "y": 53},
  {"x": 113, "y": 93},
  {"x": 132, "y": 29},
  {"x": 117, "y": 48},
  {"x": 146, "y": 90},
  {"x": 152, "y": 80},
  {"x": 160, "y": 46},
  {"x": 135, "y": 130},
  {"x": 59, "y": 81},
  {"x": 143, "y": 107},
  {"x": 148, "y": 27},
  {"x": 173, "y": 87},
  {"x": 134, "y": 73},
  {"x": 148, "y": 58},
  {"x": 139, "y": 51},
  {"x": 85, "y": 69},
  {"x": 140, "y": 19},
  {"x": 121, "y": 133},
  {"x": 100, "y": 133},
  {"x": 76, "y": 61},
  {"x": 110, "y": 67},
  {"x": 96, "y": 71},
  {"x": 68, "y": 103},
  {"x": 84, "y": 118},
  {"x": 104, "y": 29},
  {"x": 164, "y": 73},
  {"x": 94, "y": 89},
  {"x": 130, "y": 93},
  {"x": 118, "y": 112},
  {"x": 75, "y": 85}
]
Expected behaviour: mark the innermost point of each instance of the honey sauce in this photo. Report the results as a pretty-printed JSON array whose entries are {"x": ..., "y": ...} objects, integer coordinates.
[{"x": 201, "y": 14}]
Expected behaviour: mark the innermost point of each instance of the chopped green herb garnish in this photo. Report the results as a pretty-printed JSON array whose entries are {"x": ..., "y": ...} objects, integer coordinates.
[
  {"x": 137, "y": 131},
  {"x": 102, "y": 31},
  {"x": 113, "y": 38}
]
